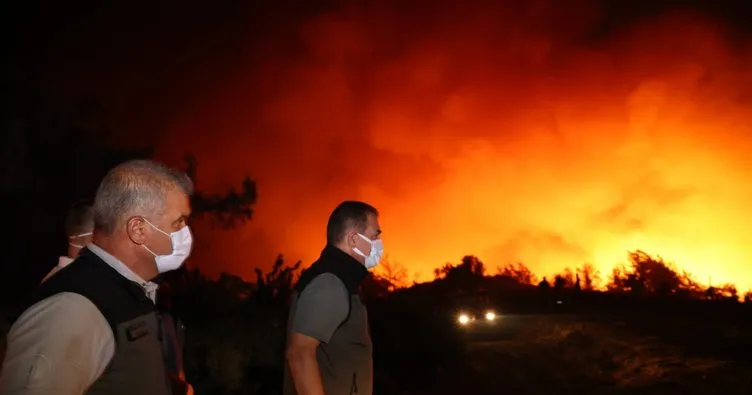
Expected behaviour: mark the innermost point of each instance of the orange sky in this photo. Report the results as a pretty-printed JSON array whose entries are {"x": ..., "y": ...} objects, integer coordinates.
[{"x": 495, "y": 132}]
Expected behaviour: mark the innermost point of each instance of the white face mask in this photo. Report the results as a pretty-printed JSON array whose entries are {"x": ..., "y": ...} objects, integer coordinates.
[
  {"x": 377, "y": 251},
  {"x": 76, "y": 237},
  {"x": 182, "y": 241}
]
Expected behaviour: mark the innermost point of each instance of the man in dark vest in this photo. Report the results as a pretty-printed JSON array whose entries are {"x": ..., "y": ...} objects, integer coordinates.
[
  {"x": 329, "y": 342},
  {"x": 91, "y": 328}
]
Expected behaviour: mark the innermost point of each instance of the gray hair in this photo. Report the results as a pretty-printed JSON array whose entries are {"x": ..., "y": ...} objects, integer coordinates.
[{"x": 136, "y": 187}]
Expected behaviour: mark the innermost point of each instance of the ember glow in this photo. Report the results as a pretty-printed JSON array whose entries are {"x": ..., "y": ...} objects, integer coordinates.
[{"x": 529, "y": 133}]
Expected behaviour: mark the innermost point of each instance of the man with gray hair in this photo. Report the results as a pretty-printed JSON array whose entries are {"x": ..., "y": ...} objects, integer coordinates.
[
  {"x": 91, "y": 328},
  {"x": 79, "y": 226}
]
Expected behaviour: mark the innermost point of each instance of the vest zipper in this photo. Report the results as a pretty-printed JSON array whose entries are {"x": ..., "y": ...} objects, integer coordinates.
[{"x": 354, "y": 386}]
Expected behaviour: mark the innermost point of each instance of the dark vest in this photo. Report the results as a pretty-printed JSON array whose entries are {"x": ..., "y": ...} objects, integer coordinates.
[
  {"x": 137, "y": 366},
  {"x": 171, "y": 337},
  {"x": 345, "y": 363}
]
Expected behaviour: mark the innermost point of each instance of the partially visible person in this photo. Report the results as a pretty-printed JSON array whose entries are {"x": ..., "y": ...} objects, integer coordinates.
[
  {"x": 79, "y": 226},
  {"x": 92, "y": 328},
  {"x": 329, "y": 347}
]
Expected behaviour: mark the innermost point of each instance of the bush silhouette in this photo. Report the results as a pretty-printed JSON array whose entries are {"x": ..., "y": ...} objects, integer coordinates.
[{"x": 647, "y": 275}]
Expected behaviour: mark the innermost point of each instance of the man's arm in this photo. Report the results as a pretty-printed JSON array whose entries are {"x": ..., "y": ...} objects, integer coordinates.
[
  {"x": 321, "y": 308},
  {"x": 304, "y": 368},
  {"x": 60, "y": 345}
]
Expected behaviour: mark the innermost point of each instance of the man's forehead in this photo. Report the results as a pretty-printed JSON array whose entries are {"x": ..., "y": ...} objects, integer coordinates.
[
  {"x": 178, "y": 198},
  {"x": 185, "y": 211},
  {"x": 179, "y": 204},
  {"x": 185, "y": 205}
]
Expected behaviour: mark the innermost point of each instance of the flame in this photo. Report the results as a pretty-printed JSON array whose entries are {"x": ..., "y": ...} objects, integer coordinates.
[{"x": 515, "y": 134}]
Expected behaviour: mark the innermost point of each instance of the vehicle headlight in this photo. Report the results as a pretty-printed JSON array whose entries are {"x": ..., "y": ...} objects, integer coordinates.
[
  {"x": 490, "y": 316},
  {"x": 463, "y": 319}
]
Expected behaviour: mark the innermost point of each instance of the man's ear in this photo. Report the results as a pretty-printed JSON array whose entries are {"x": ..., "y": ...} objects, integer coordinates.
[
  {"x": 137, "y": 231},
  {"x": 351, "y": 238}
]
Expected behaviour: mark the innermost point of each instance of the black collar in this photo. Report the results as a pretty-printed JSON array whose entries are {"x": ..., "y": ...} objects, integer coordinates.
[
  {"x": 335, "y": 261},
  {"x": 351, "y": 270}
]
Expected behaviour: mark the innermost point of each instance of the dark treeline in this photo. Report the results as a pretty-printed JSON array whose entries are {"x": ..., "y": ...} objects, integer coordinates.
[{"x": 236, "y": 328}]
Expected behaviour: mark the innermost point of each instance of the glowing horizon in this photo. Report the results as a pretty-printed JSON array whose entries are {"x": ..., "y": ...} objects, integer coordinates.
[{"x": 493, "y": 132}]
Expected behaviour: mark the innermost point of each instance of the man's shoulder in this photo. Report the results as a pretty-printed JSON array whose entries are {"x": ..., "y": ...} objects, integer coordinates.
[
  {"x": 63, "y": 330},
  {"x": 77, "y": 274},
  {"x": 324, "y": 284},
  {"x": 61, "y": 309},
  {"x": 328, "y": 279},
  {"x": 314, "y": 273},
  {"x": 321, "y": 307},
  {"x": 325, "y": 292},
  {"x": 76, "y": 278},
  {"x": 116, "y": 298},
  {"x": 64, "y": 302},
  {"x": 72, "y": 279}
]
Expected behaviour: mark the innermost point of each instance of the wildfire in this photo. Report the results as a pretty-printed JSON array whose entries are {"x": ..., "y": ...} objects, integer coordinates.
[{"x": 503, "y": 133}]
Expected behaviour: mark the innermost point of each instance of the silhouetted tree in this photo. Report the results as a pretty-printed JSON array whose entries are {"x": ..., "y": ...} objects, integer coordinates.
[
  {"x": 650, "y": 275},
  {"x": 723, "y": 292},
  {"x": 565, "y": 279},
  {"x": 394, "y": 272},
  {"x": 278, "y": 282},
  {"x": 470, "y": 266},
  {"x": 544, "y": 286},
  {"x": 466, "y": 275},
  {"x": 441, "y": 272},
  {"x": 569, "y": 277},
  {"x": 591, "y": 277},
  {"x": 688, "y": 283},
  {"x": 375, "y": 286},
  {"x": 689, "y": 287},
  {"x": 234, "y": 286},
  {"x": 559, "y": 283},
  {"x": 748, "y": 297},
  {"x": 518, "y": 272},
  {"x": 473, "y": 266},
  {"x": 230, "y": 209},
  {"x": 236, "y": 332},
  {"x": 657, "y": 276},
  {"x": 616, "y": 282}
]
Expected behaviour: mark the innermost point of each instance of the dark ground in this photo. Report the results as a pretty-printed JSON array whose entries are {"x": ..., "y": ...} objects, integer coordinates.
[
  {"x": 590, "y": 354},
  {"x": 549, "y": 354}
]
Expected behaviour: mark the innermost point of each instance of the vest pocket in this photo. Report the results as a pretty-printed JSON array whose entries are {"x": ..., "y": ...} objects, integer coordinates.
[{"x": 354, "y": 386}]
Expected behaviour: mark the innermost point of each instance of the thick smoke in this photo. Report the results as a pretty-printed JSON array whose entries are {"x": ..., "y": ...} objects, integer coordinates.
[
  {"x": 520, "y": 133},
  {"x": 531, "y": 132}
]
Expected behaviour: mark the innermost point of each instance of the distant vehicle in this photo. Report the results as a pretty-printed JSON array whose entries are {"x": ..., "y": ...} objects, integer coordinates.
[
  {"x": 475, "y": 311},
  {"x": 485, "y": 316}
]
